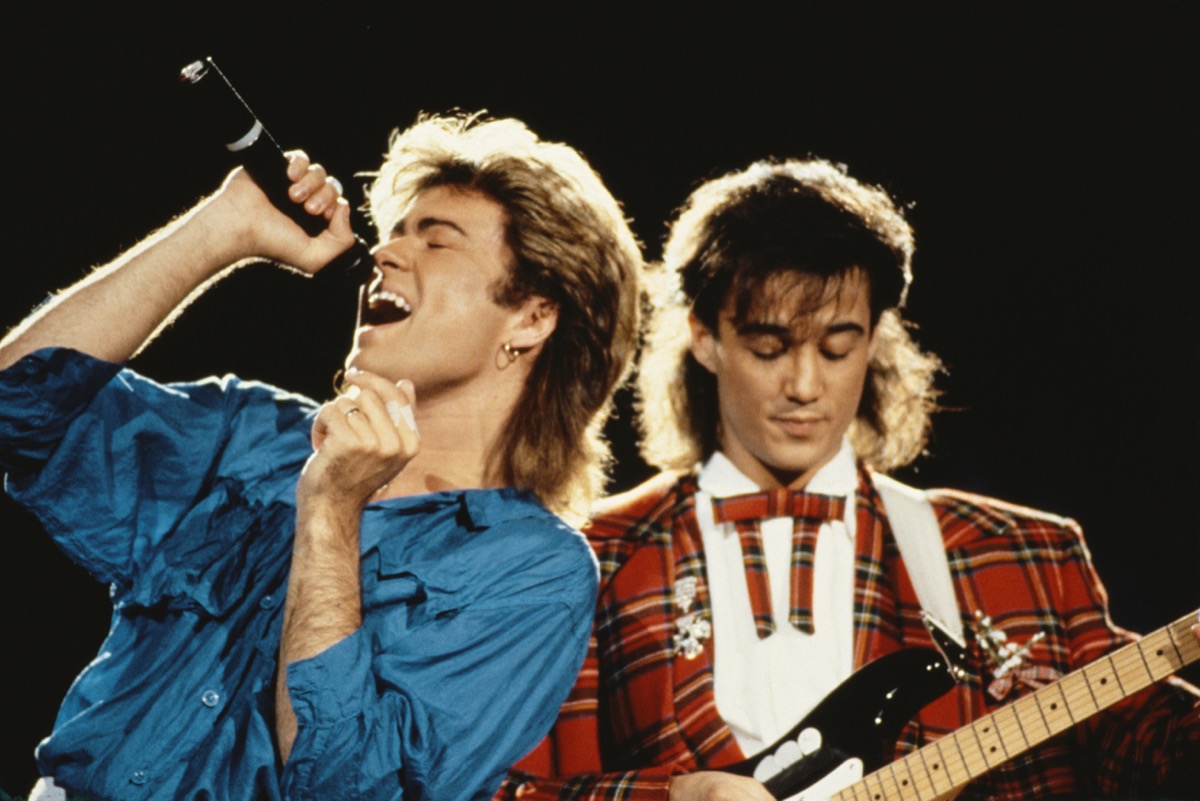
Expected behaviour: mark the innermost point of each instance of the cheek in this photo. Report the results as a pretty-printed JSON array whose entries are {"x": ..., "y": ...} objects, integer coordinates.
[
  {"x": 850, "y": 388},
  {"x": 746, "y": 394}
]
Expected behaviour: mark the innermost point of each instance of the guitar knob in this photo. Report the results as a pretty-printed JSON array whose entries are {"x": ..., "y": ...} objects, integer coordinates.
[
  {"x": 789, "y": 753},
  {"x": 809, "y": 741},
  {"x": 767, "y": 768}
]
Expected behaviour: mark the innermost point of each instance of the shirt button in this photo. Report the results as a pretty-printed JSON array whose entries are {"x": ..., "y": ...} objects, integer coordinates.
[
  {"x": 210, "y": 698},
  {"x": 267, "y": 601},
  {"x": 138, "y": 777}
]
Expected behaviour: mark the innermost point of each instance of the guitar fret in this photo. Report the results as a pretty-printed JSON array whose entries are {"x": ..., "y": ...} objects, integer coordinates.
[
  {"x": 934, "y": 771},
  {"x": 968, "y": 746},
  {"x": 1037, "y": 704},
  {"x": 877, "y": 788},
  {"x": 1131, "y": 671},
  {"x": 1152, "y": 657},
  {"x": 1116, "y": 671},
  {"x": 916, "y": 760},
  {"x": 1087, "y": 683},
  {"x": 903, "y": 781},
  {"x": 1057, "y": 707},
  {"x": 1030, "y": 721},
  {"x": 1076, "y": 699},
  {"x": 1140, "y": 651},
  {"x": 1098, "y": 677},
  {"x": 985, "y": 732},
  {"x": 890, "y": 783},
  {"x": 1005, "y": 717},
  {"x": 1175, "y": 648},
  {"x": 1182, "y": 641},
  {"x": 959, "y": 774},
  {"x": 895, "y": 792},
  {"x": 1190, "y": 647}
]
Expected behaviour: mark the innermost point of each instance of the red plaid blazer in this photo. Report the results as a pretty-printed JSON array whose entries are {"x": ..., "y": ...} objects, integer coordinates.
[{"x": 638, "y": 714}]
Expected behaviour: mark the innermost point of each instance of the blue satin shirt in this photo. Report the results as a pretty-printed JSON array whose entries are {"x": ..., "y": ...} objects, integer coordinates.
[{"x": 476, "y": 604}]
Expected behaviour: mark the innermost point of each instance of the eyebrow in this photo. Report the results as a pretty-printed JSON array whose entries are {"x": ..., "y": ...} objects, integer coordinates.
[
  {"x": 425, "y": 223},
  {"x": 774, "y": 329}
]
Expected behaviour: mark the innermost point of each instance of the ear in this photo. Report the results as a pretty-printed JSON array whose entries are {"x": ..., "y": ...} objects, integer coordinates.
[
  {"x": 534, "y": 321},
  {"x": 704, "y": 344},
  {"x": 873, "y": 342}
]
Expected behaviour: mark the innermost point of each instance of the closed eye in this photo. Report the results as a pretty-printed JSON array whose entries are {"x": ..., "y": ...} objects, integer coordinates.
[
  {"x": 839, "y": 344},
  {"x": 765, "y": 346}
]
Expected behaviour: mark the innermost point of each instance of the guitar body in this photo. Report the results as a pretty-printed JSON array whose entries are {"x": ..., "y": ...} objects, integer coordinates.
[
  {"x": 861, "y": 719},
  {"x": 854, "y": 729}
]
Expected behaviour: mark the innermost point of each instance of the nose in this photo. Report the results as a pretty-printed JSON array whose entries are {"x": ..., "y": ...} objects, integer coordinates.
[
  {"x": 804, "y": 379},
  {"x": 396, "y": 254}
]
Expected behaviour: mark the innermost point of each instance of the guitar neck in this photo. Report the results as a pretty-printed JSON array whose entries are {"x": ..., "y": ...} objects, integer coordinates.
[{"x": 946, "y": 764}]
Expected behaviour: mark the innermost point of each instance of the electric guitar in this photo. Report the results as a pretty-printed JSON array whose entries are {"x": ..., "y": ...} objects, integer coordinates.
[{"x": 852, "y": 731}]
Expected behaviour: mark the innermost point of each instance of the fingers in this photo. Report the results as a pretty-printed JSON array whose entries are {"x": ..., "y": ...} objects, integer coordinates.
[
  {"x": 378, "y": 413},
  {"x": 335, "y": 423},
  {"x": 398, "y": 399},
  {"x": 716, "y": 786},
  {"x": 358, "y": 448},
  {"x": 298, "y": 164},
  {"x": 339, "y": 219},
  {"x": 366, "y": 415},
  {"x": 313, "y": 186},
  {"x": 255, "y": 227}
]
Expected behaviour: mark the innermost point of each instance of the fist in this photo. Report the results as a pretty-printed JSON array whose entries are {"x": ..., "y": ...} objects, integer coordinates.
[{"x": 361, "y": 440}]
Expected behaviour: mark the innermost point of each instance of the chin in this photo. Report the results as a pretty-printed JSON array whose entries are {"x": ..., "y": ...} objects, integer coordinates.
[
  {"x": 361, "y": 360},
  {"x": 800, "y": 463}
]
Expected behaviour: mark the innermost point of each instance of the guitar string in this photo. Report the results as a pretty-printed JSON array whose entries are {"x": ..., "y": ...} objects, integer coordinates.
[{"x": 1072, "y": 689}]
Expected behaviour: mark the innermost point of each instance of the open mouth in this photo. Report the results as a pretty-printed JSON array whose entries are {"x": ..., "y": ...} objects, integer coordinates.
[{"x": 381, "y": 307}]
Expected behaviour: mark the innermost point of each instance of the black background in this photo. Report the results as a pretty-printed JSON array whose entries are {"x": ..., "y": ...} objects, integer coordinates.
[{"x": 1049, "y": 152}]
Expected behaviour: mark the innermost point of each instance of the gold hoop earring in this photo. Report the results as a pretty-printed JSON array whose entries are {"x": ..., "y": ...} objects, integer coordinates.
[{"x": 510, "y": 352}]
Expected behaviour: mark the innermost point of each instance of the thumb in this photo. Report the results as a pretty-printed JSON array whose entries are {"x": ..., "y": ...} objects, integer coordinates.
[{"x": 318, "y": 434}]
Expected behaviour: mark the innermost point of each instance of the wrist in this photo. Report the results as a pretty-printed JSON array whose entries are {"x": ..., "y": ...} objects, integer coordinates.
[
  {"x": 326, "y": 515},
  {"x": 226, "y": 231}
]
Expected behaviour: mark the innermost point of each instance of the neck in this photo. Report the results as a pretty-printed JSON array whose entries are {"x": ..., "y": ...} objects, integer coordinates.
[
  {"x": 768, "y": 476},
  {"x": 460, "y": 430}
]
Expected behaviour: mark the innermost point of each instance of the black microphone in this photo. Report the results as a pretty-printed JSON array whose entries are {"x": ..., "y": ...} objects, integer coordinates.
[{"x": 229, "y": 116}]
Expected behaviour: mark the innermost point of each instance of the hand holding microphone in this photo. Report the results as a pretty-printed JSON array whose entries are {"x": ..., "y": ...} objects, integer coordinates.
[{"x": 229, "y": 117}]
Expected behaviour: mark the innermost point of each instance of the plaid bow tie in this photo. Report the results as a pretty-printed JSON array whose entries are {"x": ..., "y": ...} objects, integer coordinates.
[{"x": 808, "y": 511}]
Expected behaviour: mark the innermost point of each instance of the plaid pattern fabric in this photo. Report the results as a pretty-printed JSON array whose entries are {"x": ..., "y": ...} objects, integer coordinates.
[
  {"x": 639, "y": 714},
  {"x": 754, "y": 563},
  {"x": 808, "y": 512}
]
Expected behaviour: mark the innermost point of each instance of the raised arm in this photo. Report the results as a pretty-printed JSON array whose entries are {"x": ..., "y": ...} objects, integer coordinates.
[
  {"x": 116, "y": 310},
  {"x": 361, "y": 440}
]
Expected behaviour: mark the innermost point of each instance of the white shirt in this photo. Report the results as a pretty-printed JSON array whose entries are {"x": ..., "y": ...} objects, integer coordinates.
[{"x": 764, "y": 687}]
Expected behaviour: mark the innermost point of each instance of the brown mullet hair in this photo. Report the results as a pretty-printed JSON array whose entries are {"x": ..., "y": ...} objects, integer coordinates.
[
  {"x": 573, "y": 246},
  {"x": 732, "y": 235}
]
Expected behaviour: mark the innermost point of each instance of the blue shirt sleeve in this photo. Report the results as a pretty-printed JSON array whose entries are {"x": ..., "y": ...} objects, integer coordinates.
[
  {"x": 112, "y": 462},
  {"x": 441, "y": 707}
]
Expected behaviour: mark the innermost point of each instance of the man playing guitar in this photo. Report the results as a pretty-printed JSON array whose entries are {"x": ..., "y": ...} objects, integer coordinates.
[{"x": 777, "y": 361}]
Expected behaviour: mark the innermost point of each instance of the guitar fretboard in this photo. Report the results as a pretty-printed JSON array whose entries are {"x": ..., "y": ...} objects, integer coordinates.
[{"x": 946, "y": 764}]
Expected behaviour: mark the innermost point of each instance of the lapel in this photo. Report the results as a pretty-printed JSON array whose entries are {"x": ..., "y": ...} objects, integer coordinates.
[
  {"x": 698, "y": 721},
  {"x": 879, "y": 581},
  {"x": 660, "y": 706}
]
